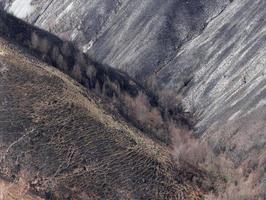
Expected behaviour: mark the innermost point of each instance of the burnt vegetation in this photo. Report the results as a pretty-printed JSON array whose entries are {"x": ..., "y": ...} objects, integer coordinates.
[
  {"x": 59, "y": 142},
  {"x": 194, "y": 169},
  {"x": 115, "y": 85}
]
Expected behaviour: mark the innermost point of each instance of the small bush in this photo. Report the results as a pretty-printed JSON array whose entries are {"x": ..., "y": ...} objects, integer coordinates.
[{"x": 35, "y": 40}]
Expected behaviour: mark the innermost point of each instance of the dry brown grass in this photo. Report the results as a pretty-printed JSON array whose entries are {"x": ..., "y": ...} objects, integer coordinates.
[
  {"x": 18, "y": 190},
  {"x": 78, "y": 147},
  {"x": 241, "y": 183}
]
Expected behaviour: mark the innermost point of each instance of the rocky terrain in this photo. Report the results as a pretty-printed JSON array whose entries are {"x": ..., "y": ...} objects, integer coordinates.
[{"x": 208, "y": 56}]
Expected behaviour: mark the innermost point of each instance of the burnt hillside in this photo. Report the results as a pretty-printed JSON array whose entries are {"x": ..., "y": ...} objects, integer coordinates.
[
  {"x": 204, "y": 58},
  {"x": 59, "y": 141},
  {"x": 113, "y": 84},
  {"x": 208, "y": 53}
]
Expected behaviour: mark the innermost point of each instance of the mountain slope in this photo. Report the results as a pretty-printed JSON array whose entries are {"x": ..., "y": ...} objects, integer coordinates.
[
  {"x": 225, "y": 67},
  {"x": 134, "y": 35},
  {"x": 217, "y": 69},
  {"x": 131, "y": 99},
  {"x": 219, "y": 73},
  {"x": 59, "y": 141}
]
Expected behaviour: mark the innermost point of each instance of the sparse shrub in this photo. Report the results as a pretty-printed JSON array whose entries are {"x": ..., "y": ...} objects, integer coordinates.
[
  {"x": 169, "y": 100},
  {"x": 152, "y": 83},
  {"x": 143, "y": 111},
  {"x": 61, "y": 64},
  {"x": 238, "y": 185},
  {"x": 44, "y": 45},
  {"x": 66, "y": 49},
  {"x": 55, "y": 53},
  {"x": 91, "y": 71},
  {"x": 231, "y": 183},
  {"x": 34, "y": 40},
  {"x": 80, "y": 59},
  {"x": 76, "y": 73}
]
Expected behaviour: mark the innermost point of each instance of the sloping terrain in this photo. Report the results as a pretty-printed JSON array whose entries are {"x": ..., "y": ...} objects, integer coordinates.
[
  {"x": 225, "y": 67},
  {"x": 212, "y": 54},
  {"x": 134, "y": 35},
  {"x": 219, "y": 74},
  {"x": 131, "y": 99},
  {"x": 59, "y": 141}
]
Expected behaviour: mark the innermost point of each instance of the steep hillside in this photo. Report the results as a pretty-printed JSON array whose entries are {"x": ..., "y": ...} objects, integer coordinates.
[
  {"x": 132, "y": 100},
  {"x": 208, "y": 56},
  {"x": 134, "y": 35},
  {"x": 59, "y": 141},
  {"x": 224, "y": 74}
]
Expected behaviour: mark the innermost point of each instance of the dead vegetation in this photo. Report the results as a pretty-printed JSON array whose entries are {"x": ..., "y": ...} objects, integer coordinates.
[
  {"x": 111, "y": 155},
  {"x": 230, "y": 182},
  {"x": 244, "y": 182},
  {"x": 77, "y": 149},
  {"x": 18, "y": 190}
]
